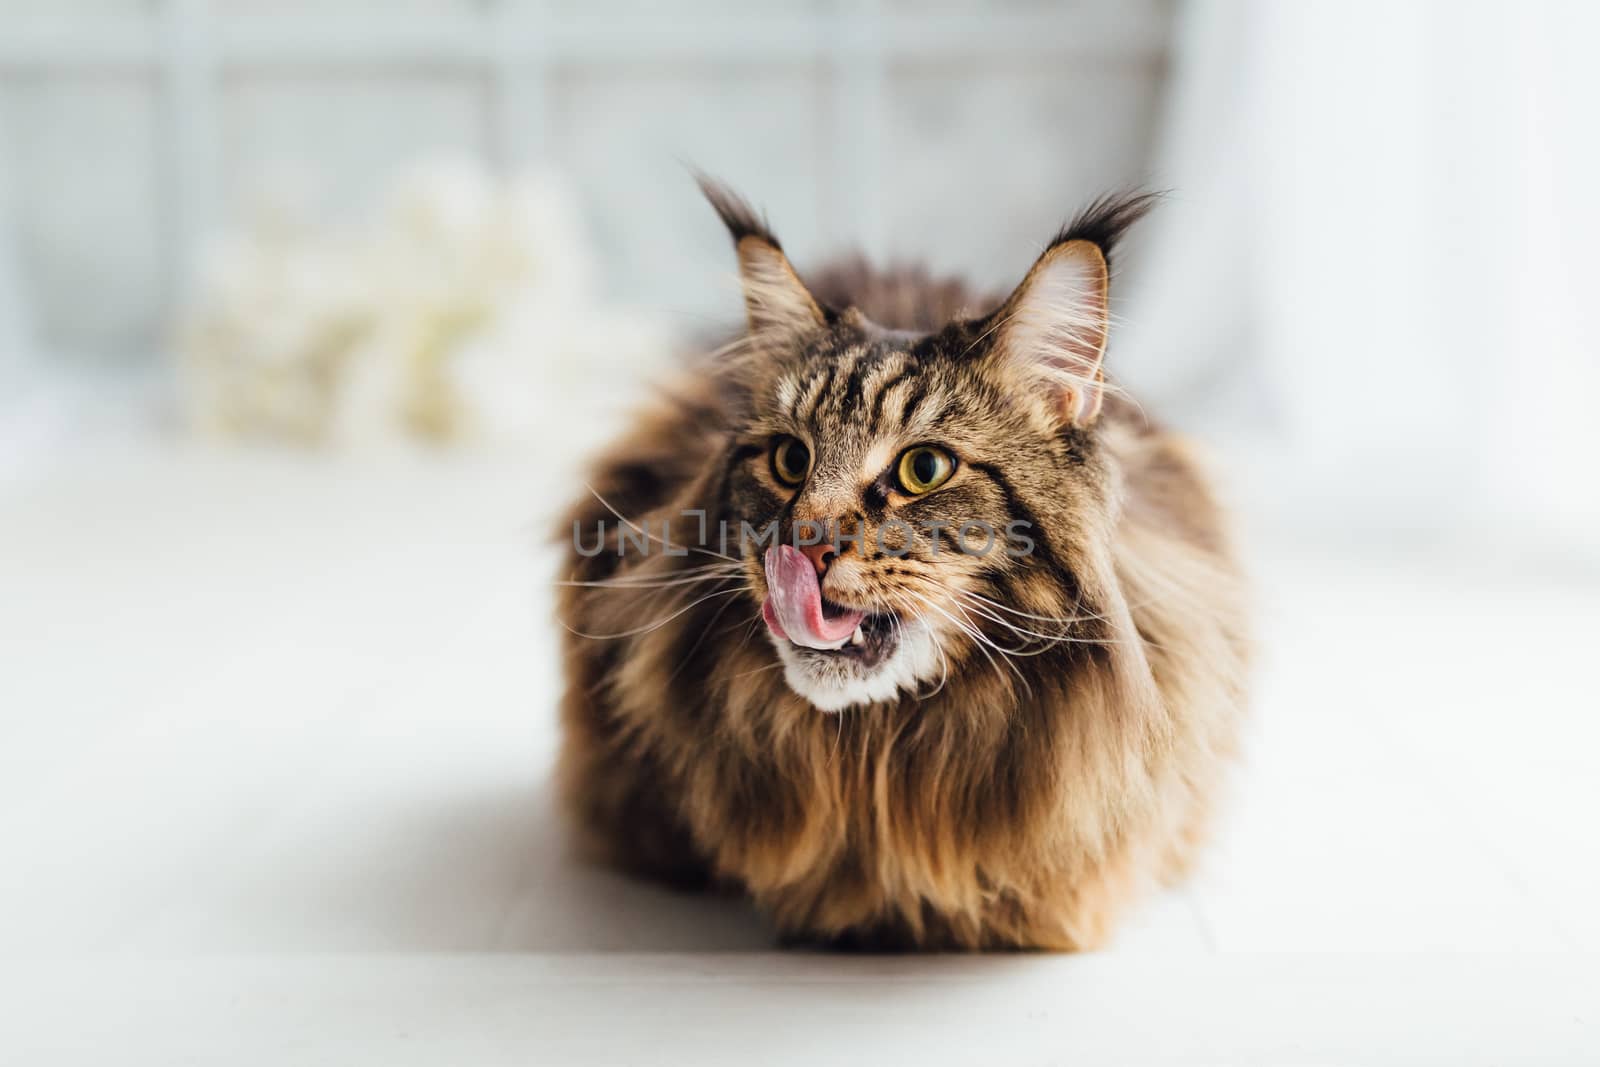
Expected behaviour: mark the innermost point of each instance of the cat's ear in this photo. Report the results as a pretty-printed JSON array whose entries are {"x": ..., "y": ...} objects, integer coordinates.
[
  {"x": 1052, "y": 330},
  {"x": 776, "y": 301}
]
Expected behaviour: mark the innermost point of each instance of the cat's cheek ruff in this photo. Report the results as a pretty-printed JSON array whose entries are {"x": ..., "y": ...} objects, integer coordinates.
[{"x": 835, "y": 685}]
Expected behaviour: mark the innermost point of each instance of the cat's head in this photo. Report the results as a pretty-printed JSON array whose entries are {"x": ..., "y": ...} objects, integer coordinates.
[{"x": 911, "y": 500}]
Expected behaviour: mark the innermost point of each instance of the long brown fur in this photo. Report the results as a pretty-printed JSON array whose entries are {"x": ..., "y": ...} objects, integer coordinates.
[{"x": 1030, "y": 799}]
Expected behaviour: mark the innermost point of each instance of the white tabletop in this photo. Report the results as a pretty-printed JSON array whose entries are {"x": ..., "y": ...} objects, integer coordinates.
[{"x": 274, "y": 746}]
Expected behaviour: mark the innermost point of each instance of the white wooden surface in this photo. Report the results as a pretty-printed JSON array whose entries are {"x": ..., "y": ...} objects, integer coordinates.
[
  {"x": 738, "y": 1010},
  {"x": 274, "y": 736}
]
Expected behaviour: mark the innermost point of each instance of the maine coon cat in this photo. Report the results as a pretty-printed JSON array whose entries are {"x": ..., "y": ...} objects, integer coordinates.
[{"x": 977, "y": 684}]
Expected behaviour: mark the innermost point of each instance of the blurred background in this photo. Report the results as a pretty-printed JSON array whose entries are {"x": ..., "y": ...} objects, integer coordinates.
[
  {"x": 245, "y": 185},
  {"x": 343, "y": 223},
  {"x": 309, "y": 310}
]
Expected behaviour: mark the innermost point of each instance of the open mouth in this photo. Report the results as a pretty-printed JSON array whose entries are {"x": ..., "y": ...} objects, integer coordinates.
[
  {"x": 796, "y": 611},
  {"x": 869, "y": 643}
]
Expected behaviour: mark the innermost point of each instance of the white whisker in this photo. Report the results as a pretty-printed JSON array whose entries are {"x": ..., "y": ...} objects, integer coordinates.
[
  {"x": 655, "y": 625},
  {"x": 980, "y": 640},
  {"x": 650, "y": 536},
  {"x": 712, "y": 572}
]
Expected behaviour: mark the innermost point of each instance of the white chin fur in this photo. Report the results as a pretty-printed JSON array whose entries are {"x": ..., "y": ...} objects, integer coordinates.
[{"x": 833, "y": 685}]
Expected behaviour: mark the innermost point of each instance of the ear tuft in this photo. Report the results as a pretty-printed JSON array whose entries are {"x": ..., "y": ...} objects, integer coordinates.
[
  {"x": 1107, "y": 220},
  {"x": 777, "y": 303},
  {"x": 735, "y": 211},
  {"x": 1052, "y": 330}
]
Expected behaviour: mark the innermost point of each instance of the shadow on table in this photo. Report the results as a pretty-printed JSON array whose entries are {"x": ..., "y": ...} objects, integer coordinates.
[{"x": 494, "y": 872}]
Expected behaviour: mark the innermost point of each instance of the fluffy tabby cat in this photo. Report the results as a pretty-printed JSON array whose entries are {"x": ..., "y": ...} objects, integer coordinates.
[{"x": 891, "y": 739}]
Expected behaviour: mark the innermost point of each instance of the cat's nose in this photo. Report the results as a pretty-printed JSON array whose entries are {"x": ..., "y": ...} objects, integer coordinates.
[{"x": 820, "y": 555}]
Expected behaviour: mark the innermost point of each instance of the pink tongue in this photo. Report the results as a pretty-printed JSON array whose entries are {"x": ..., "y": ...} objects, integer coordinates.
[{"x": 793, "y": 608}]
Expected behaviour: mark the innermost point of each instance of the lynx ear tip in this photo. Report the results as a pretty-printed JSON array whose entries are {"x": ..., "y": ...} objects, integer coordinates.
[
  {"x": 1106, "y": 221},
  {"x": 736, "y": 213}
]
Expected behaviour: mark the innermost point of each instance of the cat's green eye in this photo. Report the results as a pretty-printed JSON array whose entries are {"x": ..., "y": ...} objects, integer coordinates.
[
  {"x": 924, "y": 469},
  {"x": 791, "y": 460}
]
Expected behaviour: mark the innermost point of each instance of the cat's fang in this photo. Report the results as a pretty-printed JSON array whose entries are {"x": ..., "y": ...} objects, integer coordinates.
[{"x": 858, "y": 638}]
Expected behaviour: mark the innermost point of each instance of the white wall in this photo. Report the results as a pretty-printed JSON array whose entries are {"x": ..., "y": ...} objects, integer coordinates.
[
  {"x": 1378, "y": 276},
  {"x": 958, "y": 131}
]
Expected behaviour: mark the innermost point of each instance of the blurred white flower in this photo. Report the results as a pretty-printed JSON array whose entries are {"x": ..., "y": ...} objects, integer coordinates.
[{"x": 464, "y": 309}]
